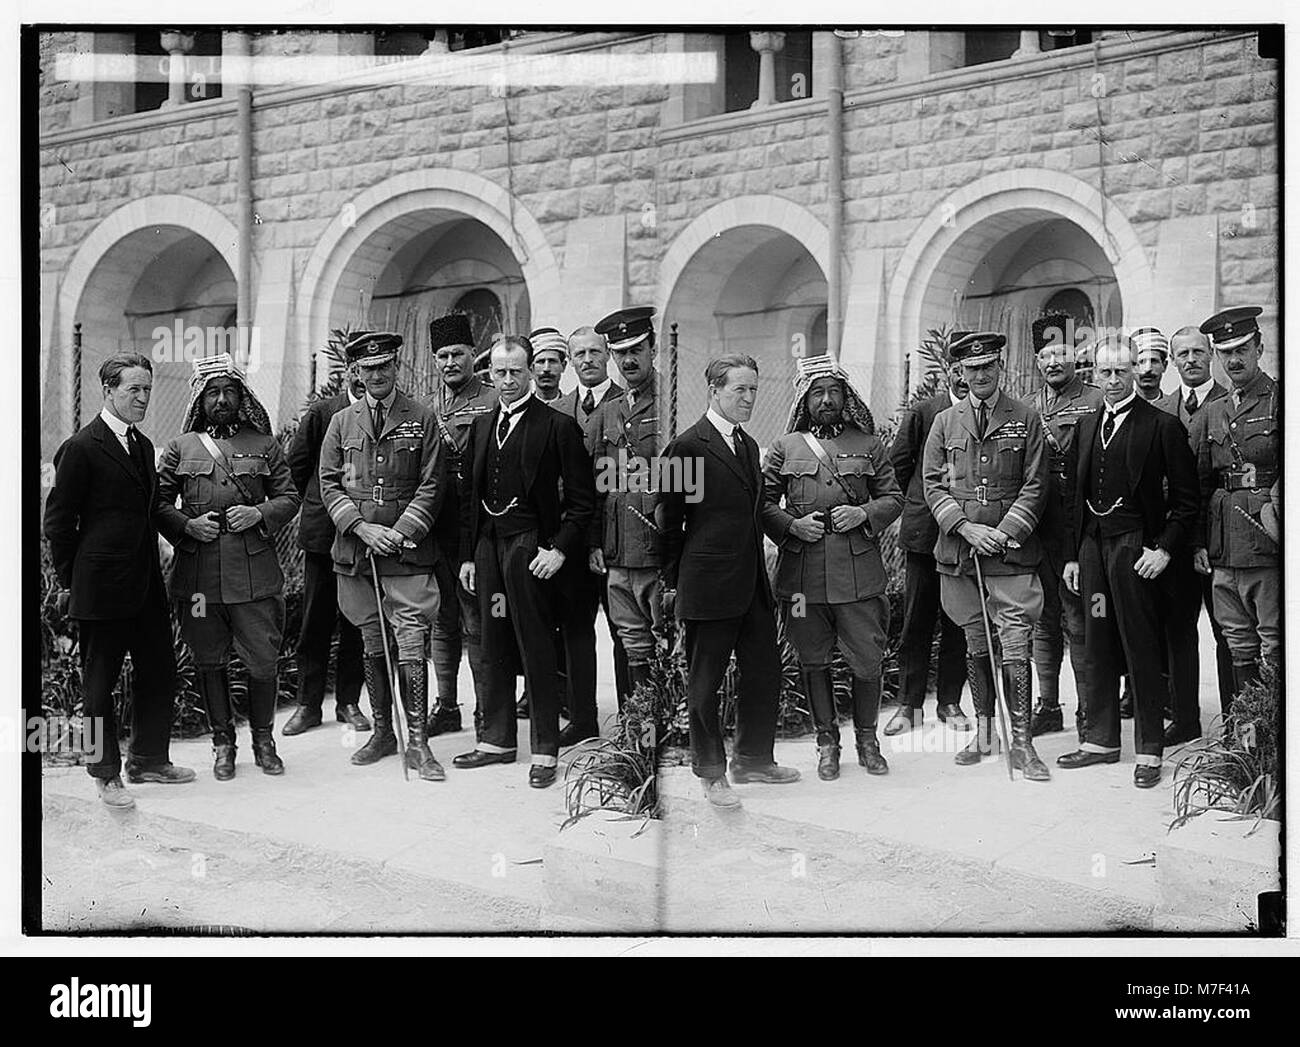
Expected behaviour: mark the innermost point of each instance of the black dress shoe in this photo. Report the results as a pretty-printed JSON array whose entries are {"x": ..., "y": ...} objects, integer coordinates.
[
  {"x": 540, "y": 777},
  {"x": 1047, "y": 720},
  {"x": 304, "y": 718},
  {"x": 351, "y": 715},
  {"x": 955, "y": 718},
  {"x": 478, "y": 758},
  {"x": 444, "y": 721},
  {"x": 1145, "y": 777},
  {"x": 572, "y": 734},
  {"x": 1178, "y": 734},
  {"x": 1081, "y": 758}
]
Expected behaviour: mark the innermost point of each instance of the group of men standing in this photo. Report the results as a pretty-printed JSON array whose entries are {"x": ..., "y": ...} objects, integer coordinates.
[{"x": 493, "y": 519}]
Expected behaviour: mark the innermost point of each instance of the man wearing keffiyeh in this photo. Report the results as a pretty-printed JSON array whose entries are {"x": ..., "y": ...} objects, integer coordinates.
[
  {"x": 235, "y": 491},
  {"x": 835, "y": 479}
]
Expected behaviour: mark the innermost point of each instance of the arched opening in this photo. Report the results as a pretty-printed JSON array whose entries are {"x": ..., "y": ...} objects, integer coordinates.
[
  {"x": 167, "y": 293},
  {"x": 752, "y": 289},
  {"x": 422, "y": 265},
  {"x": 1011, "y": 268}
]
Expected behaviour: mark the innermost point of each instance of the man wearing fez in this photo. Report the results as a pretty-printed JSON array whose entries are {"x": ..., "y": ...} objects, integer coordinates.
[
  {"x": 461, "y": 397},
  {"x": 917, "y": 533},
  {"x": 382, "y": 475},
  {"x": 625, "y": 444},
  {"x": 320, "y": 604},
  {"x": 715, "y": 578},
  {"x": 1133, "y": 508},
  {"x": 526, "y": 506},
  {"x": 986, "y": 483},
  {"x": 839, "y": 494},
  {"x": 1238, "y": 444},
  {"x": 1190, "y": 351},
  {"x": 1062, "y": 402},
  {"x": 100, "y": 521},
  {"x": 235, "y": 491}
]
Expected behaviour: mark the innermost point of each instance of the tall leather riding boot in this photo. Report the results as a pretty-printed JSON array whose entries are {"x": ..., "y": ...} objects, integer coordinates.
[
  {"x": 1019, "y": 692},
  {"x": 414, "y": 680},
  {"x": 261, "y": 719},
  {"x": 215, "y": 693},
  {"x": 866, "y": 710},
  {"x": 382, "y": 742},
  {"x": 979, "y": 671},
  {"x": 817, "y": 685}
]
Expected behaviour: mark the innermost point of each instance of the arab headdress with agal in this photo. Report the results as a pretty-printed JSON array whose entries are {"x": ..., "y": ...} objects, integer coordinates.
[
  {"x": 251, "y": 411},
  {"x": 808, "y": 370}
]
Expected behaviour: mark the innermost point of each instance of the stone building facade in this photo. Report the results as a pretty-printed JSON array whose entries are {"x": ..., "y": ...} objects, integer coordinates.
[{"x": 1127, "y": 177}]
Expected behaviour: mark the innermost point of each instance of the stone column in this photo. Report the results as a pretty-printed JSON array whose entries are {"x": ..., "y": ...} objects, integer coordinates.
[
  {"x": 177, "y": 45},
  {"x": 767, "y": 45},
  {"x": 1028, "y": 44}
]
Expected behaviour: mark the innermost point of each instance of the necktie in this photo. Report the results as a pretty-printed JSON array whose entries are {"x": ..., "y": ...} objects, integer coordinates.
[
  {"x": 738, "y": 443},
  {"x": 503, "y": 428},
  {"x": 588, "y": 403},
  {"x": 1191, "y": 402},
  {"x": 981, "y": 418},
  {"x": 137, "y": 449},
  {"x": 379, "y": 419},
  {"x": 1108, "y": 428}
]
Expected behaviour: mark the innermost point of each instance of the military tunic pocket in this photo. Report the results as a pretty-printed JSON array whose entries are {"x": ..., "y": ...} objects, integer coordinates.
[
  {"x": 857, "y": 471},
  {"x": 252, "y": 471},
  {"x": 800, "y": 478},
  {"x": 195, "y": 492}
]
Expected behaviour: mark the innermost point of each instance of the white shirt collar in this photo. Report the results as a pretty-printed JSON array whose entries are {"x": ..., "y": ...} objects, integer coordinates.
[
  {"x": 1201, "y": 391},
  {"x": 725, "y": 427},
  {"x": 597, "y": 391},
  {"x": 1111, "y": 408},
  {"x": 352, "y": 397},
  {"x": 118, "y": 426},
  {"x": 517, "y": 406},
  {"x": 955, "y": 398}
]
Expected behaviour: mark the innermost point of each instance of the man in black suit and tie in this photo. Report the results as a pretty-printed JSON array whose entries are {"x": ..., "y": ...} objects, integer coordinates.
[
  {"x": 1134, "y": 508},
  {"x": 320, "y": 605},
  {"x": 716, "y": 577},
  {"x": 100, "y": 523},
  {"x": 517, "y": 533}
]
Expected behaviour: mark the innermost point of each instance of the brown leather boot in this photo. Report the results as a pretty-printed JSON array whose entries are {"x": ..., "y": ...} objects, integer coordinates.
[
  {"x": 817, "y": 685},
  {"x": 979, "y": 671},
  {"x": 1015, "y": 676},
  {"x": 382, "y": 742},
  {"x": 414, "y": 679}
]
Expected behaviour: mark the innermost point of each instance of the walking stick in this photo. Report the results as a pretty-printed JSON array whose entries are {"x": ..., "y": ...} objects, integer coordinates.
[
  {"x": 393, "y": 687},
  {"x": 999, "y": 701}
]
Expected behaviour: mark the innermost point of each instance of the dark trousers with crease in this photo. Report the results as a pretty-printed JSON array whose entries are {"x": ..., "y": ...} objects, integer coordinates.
[
  {"x": 709, "y": 643},
  {"x": 1122, "y": 614},
  {"x": 920, "y": 611},
  {"x": 1190, "y": 591},
  {"x": 517, "y": 629},
  {"x": 104, "y": 644},
  {"x": 320, "y": 614}
]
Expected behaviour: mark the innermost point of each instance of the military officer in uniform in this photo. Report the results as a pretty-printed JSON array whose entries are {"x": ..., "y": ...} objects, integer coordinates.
[
  {"x": 834, "y": 476},
  {"x": 986, "y": 483},
  {"x": 235, "y": 491},
  {"x": 624, "y": 442},
  {"x": 1063, "y": 400},
  {"x": 1238, "y": 444},
  {"x": 461, "y": 398},
  {"x": 382, "y": 478}
]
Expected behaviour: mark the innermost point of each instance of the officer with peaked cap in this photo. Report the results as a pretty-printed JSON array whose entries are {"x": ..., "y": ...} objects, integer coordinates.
[
  {"x": 382, "y": 479},
  {"x": 461, "y": 397},
  {"x": 985, "y": 480},
  {"x": 235, "y": 491},
  {"x": 1062, "y": 402},
  {"x": 1238, "y": 442}
]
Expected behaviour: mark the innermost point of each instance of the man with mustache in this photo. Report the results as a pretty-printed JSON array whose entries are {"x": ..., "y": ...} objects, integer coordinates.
[
  {"x": 1132, "y": 510},
  {"x": 235, "y": 491},
  {"x": 1238, "y": 442},
  {"x": 1152, "y": 360},
  {"x": 461, "y": 397},
  {"x": 550, "y": 358},
  {"x": 986, "y": 483},
  {"x": 1063, "y": 401},
  {"x": 917, "y": 533},
  {"x": 832, "y": 474}
]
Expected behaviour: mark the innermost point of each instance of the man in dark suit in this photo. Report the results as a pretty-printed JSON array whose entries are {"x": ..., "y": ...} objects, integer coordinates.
[
  {"x": 320, "y": 606},
  {"x": 1190, "y": 350},
  {"x": 526, "y": 509},
  {"x": 100, "y": 523},
  {"x": 917, "y": 533},
  {"x": 716, "y": 578},
  {"x": 1133, "y": 509}
]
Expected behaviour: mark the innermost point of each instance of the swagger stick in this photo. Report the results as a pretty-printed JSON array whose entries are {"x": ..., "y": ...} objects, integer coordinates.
[
  {"x": 393, "y": 684},
  {"x": 672, "y": 383},
  {"x": 1003, "y": 714}
]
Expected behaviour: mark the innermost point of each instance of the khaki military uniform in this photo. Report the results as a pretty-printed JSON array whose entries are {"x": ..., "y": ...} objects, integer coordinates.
[
  {"x": 1237, "y": 441},
  {"x": 1062, "y": 618},
  {"x": 228, "y": 590},
  {"x": 395, "y": 478},
  {"x": 999, "y": 480}
]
